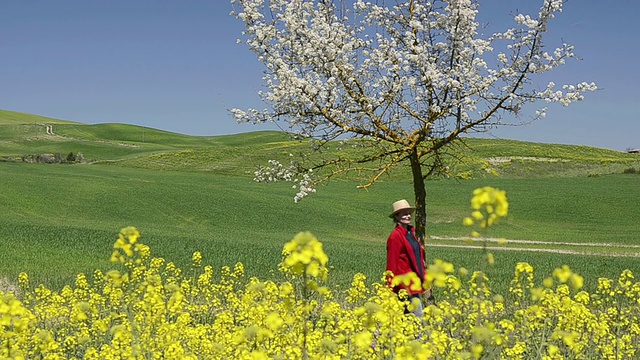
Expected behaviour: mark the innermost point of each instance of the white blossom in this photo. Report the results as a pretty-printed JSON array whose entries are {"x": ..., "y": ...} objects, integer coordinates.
[{"x": 276, "y": 171}]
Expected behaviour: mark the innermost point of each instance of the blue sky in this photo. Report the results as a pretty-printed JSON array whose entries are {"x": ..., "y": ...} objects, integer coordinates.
[{"x": 175, "y": 65}]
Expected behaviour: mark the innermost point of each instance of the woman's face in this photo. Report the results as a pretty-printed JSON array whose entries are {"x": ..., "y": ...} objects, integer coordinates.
[{"x": 403, "y": 217}]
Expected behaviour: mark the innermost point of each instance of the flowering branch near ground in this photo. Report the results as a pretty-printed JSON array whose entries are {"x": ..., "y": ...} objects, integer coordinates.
[{"x": 153, "y": 310}]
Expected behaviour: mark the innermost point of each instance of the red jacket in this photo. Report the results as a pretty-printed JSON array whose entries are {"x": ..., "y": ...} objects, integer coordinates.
[{"x": 401, "y": 258}]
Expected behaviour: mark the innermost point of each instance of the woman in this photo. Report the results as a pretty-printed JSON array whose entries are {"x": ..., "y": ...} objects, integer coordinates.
[{"x": 405, "y": 254}]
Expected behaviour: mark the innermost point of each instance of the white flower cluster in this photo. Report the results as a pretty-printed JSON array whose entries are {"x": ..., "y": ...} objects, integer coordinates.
[
  {"x": 251, "y": 116},
  {"x": 276, "y": 171},
  {"x": 568, "y": 94}
]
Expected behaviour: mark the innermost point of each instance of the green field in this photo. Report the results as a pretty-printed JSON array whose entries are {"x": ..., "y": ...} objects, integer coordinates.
[{"x": 189, "y": 194}]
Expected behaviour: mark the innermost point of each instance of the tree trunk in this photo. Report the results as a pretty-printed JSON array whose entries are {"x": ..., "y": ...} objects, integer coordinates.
[{"x": 421, "y": 197}]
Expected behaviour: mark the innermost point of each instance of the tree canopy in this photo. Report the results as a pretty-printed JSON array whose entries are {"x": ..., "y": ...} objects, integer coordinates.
[{"x": 407, "y": 78}]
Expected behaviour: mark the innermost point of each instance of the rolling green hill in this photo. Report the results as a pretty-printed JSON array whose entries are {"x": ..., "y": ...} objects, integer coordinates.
[
  {"x": 24, "y": 134},
  {"x": 141, "y": 147}
]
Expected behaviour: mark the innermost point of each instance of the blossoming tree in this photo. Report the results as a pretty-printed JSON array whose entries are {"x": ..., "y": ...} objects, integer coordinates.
[{"x": 403, "y": 80}]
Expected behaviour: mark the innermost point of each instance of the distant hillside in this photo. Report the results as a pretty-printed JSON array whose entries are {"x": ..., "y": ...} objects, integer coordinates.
[
  {"x": 17, "y": 118},
  {"x": 24, "y": 135}
]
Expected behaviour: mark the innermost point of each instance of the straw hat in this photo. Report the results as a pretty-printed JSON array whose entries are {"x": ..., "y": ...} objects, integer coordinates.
[{"x": 400, "y": 205}]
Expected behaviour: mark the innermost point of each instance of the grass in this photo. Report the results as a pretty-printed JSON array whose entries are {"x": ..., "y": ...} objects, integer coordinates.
[
  {"x": 584, "y": 209},
  {"x": 67, "y": 217},
  {"x": 189, "y": 194}
]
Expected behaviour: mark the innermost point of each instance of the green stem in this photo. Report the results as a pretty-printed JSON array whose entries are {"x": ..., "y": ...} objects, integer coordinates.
[{"x": 305, "y": 300}]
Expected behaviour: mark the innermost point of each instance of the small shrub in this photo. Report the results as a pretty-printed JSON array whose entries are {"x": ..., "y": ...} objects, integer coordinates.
[
  {"x": 45, "y": 158},
  {"x": 631, "y": 171},
  {"x": 52, "y": 158}
]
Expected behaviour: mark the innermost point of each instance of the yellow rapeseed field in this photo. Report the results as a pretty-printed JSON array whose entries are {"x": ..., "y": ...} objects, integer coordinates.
[{"x": 150, "y": 309}]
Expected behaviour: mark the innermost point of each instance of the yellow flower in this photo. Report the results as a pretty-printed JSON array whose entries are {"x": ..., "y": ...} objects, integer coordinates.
[
  {"x": 274, "y": 321},
  {"x": 565, "y": 275},
  {"x": 437, "y": 274},
  {"x": 304, "y": 254},
  {"x": 196, "y": 259},
  {"x": 476, "y": 350},
  {"x": 126, "y": 246},
  {"x": 490, "y": 259},
  {"x": 23, "y": 280},
  {"x": 488, "y": 205},
  {"x": 363, "y": 340},
  {"x": 583, "y": 297},
  {"x": 562, "y": 274}
]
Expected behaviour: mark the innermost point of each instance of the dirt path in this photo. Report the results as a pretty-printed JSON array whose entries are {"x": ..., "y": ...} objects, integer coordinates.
[{"x": 464, "y": 243}]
